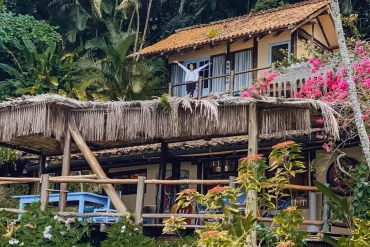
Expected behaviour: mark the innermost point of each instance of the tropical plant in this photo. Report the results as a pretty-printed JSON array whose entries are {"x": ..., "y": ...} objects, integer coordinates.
[
  {"x": 41, "y": 229},
  {"x": 231, "y": 227},
  {"x": 37, "y": 72},
  {"x": 114, "y": 75}
]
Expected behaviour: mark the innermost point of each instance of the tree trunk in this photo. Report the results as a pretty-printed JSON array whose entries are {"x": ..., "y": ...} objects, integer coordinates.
[
  {"x": 181, "y": 9},
  {"x": 145, "y": 27},
  {"x": 138, "y": 26},
  {"x": 364, "y": 139}
]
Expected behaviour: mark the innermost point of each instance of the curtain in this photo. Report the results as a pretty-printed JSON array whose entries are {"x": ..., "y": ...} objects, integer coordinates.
[
  {"x": 243, "y": 61},
  {"x": 218, "y": 68},
  {"x": 177, "y": 76}
]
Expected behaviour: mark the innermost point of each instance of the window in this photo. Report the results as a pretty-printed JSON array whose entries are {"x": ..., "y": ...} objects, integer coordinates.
[
  {"x": 242, "y": 62},
  {"x": 275, "y": 51},
  {"x": 128, "y": 189}
]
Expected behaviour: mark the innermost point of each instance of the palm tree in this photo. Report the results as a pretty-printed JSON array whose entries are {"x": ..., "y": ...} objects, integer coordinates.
[{"x": 114, "y": 75}]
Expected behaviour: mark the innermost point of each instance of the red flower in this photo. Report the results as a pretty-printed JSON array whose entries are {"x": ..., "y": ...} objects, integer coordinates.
[
  {"x": 286, "y": 244},
  {"x": 209, "y": 234},
  {"x": 217, "y": 189},
  {"x": 252, "y": 157},
  {"x": 186, "y": 191},
  {"x": 284, "y": 144}
]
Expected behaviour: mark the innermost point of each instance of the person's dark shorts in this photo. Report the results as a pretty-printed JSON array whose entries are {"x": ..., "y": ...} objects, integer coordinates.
[{"x": 190, "y": 87}]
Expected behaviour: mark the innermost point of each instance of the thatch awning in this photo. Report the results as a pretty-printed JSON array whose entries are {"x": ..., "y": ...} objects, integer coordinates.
[{"x": 40, "y": 123}]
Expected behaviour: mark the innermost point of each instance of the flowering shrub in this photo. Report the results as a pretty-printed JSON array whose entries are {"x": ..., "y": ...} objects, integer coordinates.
[
  {"x": 40, "y": 229},
  {"x": 230, "y": 225},
  {"x": 261, "y": 85}
]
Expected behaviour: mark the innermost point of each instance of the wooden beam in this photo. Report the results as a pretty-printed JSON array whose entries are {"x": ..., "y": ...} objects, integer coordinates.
[
  {"x": 255, "y": 57},
  {"x": 42, "y": 164},
  {"x": 312, "y": 34},
  {"x": 252, "y": 150},
  {"x": 309, "y": 18},
  {"x": 96, "y": 168},
  {"x": 294, "y": 43},
  {"x": 323, "y": 32},
  {"x": 162, "y": 176},
  {"x": 277, "y": 33},
  {"x": 261, "y": 36},
  {"x": 44, "y": 195},
  {"x": 246, "y": 39},
  {"x": 66, "y": 167},
  {"x": 139, "y": 199}
]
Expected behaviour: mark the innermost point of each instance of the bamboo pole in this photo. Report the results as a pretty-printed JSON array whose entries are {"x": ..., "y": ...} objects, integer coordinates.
[
  {"x": 252, "y": 149},
  {"x": 96, "y": 168},
  {"x": 66, "y": 167},
  {"x": 20, "y": 180},
  {"x": 93, "y": 181},
  {"x": 44, "y": 196},
  {"x": 139, "y": 199}
]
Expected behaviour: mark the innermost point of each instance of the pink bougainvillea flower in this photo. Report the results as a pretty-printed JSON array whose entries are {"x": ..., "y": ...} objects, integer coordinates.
[
  {"x": 326, "y": 147},
  {"x": 319, "y": 121},
  {"x": 365, "y": 117}
]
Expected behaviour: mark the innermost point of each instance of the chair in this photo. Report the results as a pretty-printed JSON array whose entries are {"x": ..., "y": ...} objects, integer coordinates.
[{"x": 106, "y": 219}]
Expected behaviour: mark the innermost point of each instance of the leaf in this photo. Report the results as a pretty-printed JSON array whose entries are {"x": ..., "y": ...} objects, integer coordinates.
[
  {"x": 29, "y": 45},
  {"x": 54, "y": 80}
]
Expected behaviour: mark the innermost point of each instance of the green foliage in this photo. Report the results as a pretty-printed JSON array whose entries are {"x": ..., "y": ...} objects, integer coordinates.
[
  {"x": 233, "y": 228},
  {"x": 126, "y": 234},
  {"x": 19, "y": 27},
  {"x": 34, "y": 72},
  {"x": 267, "y": 4},
  {"x": 41, "y": 229},
  {"x": 361, "y": 191},
  {"x": 8, "y": 155},
  {"x": 115, "y": 76}
]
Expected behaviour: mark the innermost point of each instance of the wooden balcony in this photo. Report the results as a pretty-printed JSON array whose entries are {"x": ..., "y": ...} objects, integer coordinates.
[{"x": 286, "y": 84}]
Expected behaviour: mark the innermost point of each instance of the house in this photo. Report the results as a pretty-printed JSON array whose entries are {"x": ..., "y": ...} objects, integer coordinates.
[
  {"x": 160, "y": 147},
  {"x": 241, "y": 48}
]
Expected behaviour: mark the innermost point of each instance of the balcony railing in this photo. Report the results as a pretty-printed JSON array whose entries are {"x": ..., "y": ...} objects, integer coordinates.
[{"x": 286, "y": 84}]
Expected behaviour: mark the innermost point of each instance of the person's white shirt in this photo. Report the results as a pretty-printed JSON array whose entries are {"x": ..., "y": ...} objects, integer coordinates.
[{"x": 192, "y": 75}]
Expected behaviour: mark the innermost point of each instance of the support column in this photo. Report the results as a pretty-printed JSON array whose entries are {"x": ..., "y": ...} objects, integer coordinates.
[
  {"x": 253, "y": 149},
  {"x": 66, "y": 167},
  {"x": 199, "y": 175},
  {"x": 162, "y": 176},
  {"x": 96, "y": 168},
  {"x": 255, "y": 57},
  {"x": 41, "y": 171},
  {"x": 44, "y": 195},
  {"x": 176, "y": 174}
]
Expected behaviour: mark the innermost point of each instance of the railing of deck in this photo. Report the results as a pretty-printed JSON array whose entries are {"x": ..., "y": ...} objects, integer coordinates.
[
  {"x": 286, "y": 84},
  {"x": 229, "y": 79},
  {"x": 46, "y": 180}
]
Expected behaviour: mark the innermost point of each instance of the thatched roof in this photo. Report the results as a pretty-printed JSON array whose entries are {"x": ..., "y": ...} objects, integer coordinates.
[{"x": 40, "y": 123}]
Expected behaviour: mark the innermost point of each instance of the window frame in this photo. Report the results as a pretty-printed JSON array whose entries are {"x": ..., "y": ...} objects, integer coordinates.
[{"x": 287, "y": 42}]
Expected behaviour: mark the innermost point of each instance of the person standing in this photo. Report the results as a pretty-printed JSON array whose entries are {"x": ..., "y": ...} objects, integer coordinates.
[{"x": 191, "y": 76}]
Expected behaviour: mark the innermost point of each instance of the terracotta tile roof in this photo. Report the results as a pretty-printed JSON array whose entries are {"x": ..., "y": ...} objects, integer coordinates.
[{"x": 284, "y": 17}]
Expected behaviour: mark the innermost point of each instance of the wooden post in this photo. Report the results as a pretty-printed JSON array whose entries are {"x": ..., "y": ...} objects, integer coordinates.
[
  {"x": 139, "y": 199},
  {"x": 65, "y": 171},
  {"x": 255, "y": 58},
  {"x": 170, "y": 89},
  {"x": 199, "y": 175},
  {"x": 313, "y": 34},
  {"x": 232, "y": 183},
  {"x": 162, "y": 176},
  {"x": 232, "y": 80},
  {"x": 176, "y": 173},
  {"x": 200, "y": 88},
  {"x": 325, "y": 213},
  {"x": 42, "y": 165},
  {"x": 44, "y": 195},
  {"x": 252, "y": 149},
  {"x": 96, "y": 168}
]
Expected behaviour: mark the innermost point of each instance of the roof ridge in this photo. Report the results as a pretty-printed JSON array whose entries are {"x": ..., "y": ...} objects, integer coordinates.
[{"x": 262, "y": 12}]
